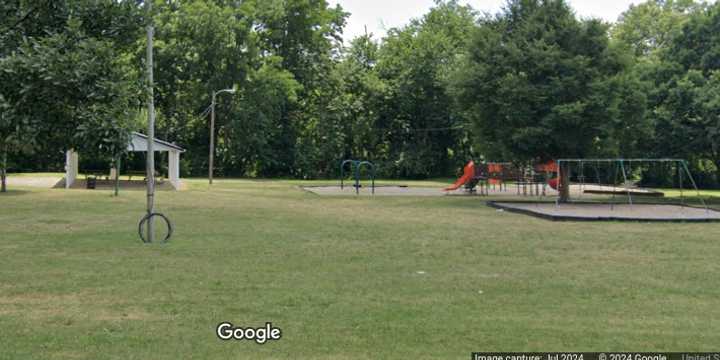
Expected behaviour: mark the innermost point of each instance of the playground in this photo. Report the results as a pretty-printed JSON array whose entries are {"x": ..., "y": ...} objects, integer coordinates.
[
  {"x": 266, "y": 180},
  {"x": 536, "y": 189},
  {"x": 362, "y": 269}
]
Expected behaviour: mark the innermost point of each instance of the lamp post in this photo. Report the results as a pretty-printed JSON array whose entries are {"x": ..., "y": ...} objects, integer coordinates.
[{"x": 212, "y": 131}]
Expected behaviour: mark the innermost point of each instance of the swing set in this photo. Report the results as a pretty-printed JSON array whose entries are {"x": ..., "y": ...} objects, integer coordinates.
[
  {"x": 616, "y": 190},
  {"x": 620, "y": 177}
]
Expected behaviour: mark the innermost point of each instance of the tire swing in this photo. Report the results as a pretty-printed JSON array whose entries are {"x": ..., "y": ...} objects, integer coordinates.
[
  {"x": 147, "y": 221},
  {"x": 146, "y": 218}
]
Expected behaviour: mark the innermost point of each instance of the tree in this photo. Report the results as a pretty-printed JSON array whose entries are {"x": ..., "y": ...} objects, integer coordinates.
[
  {"x": 423, "y": 133},
  {"x": 65, "y": 82},
  {"x": 651, "y": 25},
  {"x": 306, "y": 36},
  {"x": 206, "y": 46},
  {"x": 686, "y": 101},
  {"x": 250, "y": 133},
  {"x": 543, "y": 85},
  {"x": 346, "y": 125},
  {"x": 200, "y": 47}
]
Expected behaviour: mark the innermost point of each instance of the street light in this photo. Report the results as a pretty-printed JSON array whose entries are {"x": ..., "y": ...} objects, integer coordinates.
[{"x": 212, "y": 130}]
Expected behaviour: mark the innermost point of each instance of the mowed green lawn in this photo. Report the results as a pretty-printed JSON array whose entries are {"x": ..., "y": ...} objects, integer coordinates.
[{"x": 344, "y": 278}]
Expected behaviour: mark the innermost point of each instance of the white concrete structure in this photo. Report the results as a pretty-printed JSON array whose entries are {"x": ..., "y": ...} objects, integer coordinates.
[{"x": 138, "y": 143}]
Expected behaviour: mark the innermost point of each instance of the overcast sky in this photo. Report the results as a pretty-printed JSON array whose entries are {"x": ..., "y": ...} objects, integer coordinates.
[{"x": 379, "y": 15}]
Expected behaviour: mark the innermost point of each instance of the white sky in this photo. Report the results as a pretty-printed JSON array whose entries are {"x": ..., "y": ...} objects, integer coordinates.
[{"x": 380, "y": 15}]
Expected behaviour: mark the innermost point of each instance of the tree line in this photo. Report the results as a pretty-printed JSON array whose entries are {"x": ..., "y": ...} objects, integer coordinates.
[{"x": 532, "y": 82}]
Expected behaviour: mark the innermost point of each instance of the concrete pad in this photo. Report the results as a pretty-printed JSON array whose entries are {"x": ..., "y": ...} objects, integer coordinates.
[
  {"x": 379, "y": 191},
  {"x": 608, "y": 212},
  {"x": 46, "y": 182}
]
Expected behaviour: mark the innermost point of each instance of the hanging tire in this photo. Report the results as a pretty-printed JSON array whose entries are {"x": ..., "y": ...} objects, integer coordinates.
[{"x": 146, "y": 218}]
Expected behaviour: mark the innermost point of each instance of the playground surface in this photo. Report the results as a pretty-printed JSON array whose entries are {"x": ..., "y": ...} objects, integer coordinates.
[
  {"x": 511, "y": 190},
  {"x": 343, "y": 277},
  {"x": 606, "y": 212},
  {"x": 383, "y": 190}
]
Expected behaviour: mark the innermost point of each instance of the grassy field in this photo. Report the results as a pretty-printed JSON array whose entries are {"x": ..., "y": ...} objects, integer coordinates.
[{"x": 344, "y": 278}]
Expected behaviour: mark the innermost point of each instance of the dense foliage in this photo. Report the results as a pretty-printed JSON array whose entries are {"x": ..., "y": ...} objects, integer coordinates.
[{"x": 533, "y": 82}]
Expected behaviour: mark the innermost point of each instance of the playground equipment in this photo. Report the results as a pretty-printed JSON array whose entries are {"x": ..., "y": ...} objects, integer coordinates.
[
  {"x": 615, "y": 177},
  {"x": 467, "y": 176},
  {"x": 532, "y": 180},
  {"x": 597, "y": 189},
  {"x": 151, "y": 214},
  {"x": 614, "y": 191},
  {"x": 356, "y": 166}
]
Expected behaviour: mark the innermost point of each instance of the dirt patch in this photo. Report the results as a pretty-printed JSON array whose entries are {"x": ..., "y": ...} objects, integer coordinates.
[{"x": 72, "y": 306}]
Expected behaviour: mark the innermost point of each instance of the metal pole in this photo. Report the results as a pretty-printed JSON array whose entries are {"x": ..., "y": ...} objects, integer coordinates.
[
  {"x": 357, "y": 177},
  {"x": 342, "y": 171},
  {"x": 680, "y": 182},
  {"x": 692, "y": 181},
  {"x": 582, "y": 179},
  {"x": 211, "y": 158},
  {"x": 559, "y": 182},
  {"x": 627, "y": 189},
  {"x": 612, "y": 203},
  {"x": 151, "y": 128}
]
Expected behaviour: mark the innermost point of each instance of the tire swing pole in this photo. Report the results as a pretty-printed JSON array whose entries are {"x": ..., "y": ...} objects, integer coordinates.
[
  {"x": 148, "y": 236},
  {"x": 150, "y": 176}
]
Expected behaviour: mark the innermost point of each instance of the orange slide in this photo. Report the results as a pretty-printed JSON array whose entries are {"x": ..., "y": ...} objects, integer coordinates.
[{"x": 468, "y": 173}]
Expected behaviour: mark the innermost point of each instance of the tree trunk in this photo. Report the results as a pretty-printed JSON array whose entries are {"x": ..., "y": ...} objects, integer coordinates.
[
  {"x": 564, "y": 183},
  {"x": 117, "y": 175},
  {"x": 3, "y": 172}
]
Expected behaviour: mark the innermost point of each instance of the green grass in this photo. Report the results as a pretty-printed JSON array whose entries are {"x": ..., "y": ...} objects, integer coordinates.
[{"x": 340, "y": 277}]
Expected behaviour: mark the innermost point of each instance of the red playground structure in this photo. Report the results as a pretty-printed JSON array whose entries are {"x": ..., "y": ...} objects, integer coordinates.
[
  {"x": 468, "y": 174},
  {"x": 529, "y": 180}
]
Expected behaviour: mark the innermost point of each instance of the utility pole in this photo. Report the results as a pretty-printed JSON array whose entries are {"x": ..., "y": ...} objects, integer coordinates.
[
  {"x": 151, "y": 127},
  {"x": 212, "y": 138},
  {"x": 211, "y": 158}
]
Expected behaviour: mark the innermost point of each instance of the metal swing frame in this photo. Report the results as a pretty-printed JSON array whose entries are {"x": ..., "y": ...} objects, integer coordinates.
[{"x": 681, "y": 167}]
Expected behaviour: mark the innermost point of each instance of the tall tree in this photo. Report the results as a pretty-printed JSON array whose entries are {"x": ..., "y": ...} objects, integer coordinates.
[
  {"x": 346, "y": 126},
  {"x": 306, "y": 36},
  {"x": 201, "y": 47},
  {"x": 686, "y": 101},
  {"x": 423, "y": 133},
  {"x": 651, "y": 25},
  {"x": 255, "y": 123},
  {"x": 544, "y": 85},
  {"x": 65, "y": 81}
]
